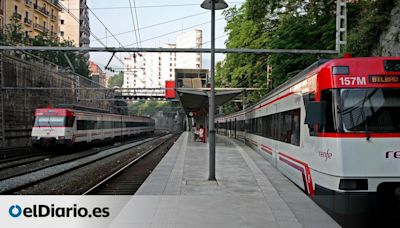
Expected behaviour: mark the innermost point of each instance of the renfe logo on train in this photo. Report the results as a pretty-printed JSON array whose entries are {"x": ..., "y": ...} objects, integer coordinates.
[
  {"x": 393, "y": 154},
  {"x": 325, "y": 154}
]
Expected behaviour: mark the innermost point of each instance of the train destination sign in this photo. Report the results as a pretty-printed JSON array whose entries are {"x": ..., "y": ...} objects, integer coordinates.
[{"x": 384, "y": 79}]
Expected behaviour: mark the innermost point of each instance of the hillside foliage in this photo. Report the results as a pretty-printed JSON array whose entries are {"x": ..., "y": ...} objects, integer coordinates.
[{"x": 291, "y": 24}]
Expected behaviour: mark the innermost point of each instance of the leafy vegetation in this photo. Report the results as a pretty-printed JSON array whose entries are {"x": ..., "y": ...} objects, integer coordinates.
[
  {"x": 116, "y": 80},
  {"x": 150, "y": 108},
  {"x": 14, "y": 34},
  {"x": 272, "y": 24},
  {"x": 292, "y": 24},
  {"x": 367, "y": 21}
]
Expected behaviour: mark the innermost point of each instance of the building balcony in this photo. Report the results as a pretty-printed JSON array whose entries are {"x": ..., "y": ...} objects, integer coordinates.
[
  {"x": 40, "y": 28},
  {"x": 41, "y": 10},
  {"x": 55, "y": 3},
  {"x": 28, "y": 3},
  {"x": 27, "y": 21},
  {"x": 53, "y": 17},
  {"x": 17, "y": 15},
  {"x": 53, "y": 34}
]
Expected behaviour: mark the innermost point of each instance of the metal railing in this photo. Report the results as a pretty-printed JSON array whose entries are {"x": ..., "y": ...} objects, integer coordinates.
[
  {"x": 17, "y": 15},
  {"x": 27, "y": 21},
  {"x": 41, "y": 9},
  {"x": 28, "y": 2}
]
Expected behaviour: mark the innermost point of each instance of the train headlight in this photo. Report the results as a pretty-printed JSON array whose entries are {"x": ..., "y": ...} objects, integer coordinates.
[{"x": 353, "y": 184}]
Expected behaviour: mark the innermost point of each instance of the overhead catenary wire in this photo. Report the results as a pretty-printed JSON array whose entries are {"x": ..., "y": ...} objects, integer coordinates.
[
  {"x": 137, "y": 22},
  {"x": 91, "y": 33},
  {"x": 154, "y": 25},
  {"x": 173, "y": 32},
  {"x": 134, "y": 24},
  {"x": 120, "y": 44},
  {"x": 138, "y": 38},
  {"x": 152, "y": 6}
]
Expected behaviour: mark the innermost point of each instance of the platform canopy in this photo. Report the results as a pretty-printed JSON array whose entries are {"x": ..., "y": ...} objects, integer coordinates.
[{"x": 196, "y": 100}]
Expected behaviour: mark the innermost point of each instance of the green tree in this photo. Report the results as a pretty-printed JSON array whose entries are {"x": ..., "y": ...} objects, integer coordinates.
[
  {"x": 13, "y": 31},
  {"x": 116, "y": 80},
  {"x": 14, "y": 35},
  {"x": 150, "y": 108},
  {"x": 273, "y": 24}
]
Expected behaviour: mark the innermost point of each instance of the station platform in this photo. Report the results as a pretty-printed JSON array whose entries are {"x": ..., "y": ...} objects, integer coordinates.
[{"x": 249, "y": 192}]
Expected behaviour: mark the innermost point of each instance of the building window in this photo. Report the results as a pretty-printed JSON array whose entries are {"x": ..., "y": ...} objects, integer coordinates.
[
  {"x": 197, "y": 66},
  {"x": 62, "y": 21},
  {"x": 62, "y": 33}
]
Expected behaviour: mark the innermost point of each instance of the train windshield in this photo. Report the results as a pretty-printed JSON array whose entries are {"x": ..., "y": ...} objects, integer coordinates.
[
  {"x": 370, "y": 110},
  {"x": 50, "y": 121}
]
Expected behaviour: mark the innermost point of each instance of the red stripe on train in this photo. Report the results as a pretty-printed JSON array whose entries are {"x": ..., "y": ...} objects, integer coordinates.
[
  {"x": 306, "y": 169},
  {"x": 358, "y": 135}
]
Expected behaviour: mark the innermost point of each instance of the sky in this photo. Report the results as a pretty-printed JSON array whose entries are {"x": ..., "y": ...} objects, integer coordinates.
[{"x": 116, "y": 16}]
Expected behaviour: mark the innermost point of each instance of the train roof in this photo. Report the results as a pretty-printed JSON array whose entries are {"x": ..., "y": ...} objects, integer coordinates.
[
  {"x": 316, "y": 66},
  {"x": 68, "y": 111},
  {"x": 81, "y": 108}
]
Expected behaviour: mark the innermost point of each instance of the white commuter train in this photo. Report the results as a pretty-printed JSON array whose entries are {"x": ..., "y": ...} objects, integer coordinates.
[
  {"x": 333, "y": 130},
  {"x": 65, "y": 126}
]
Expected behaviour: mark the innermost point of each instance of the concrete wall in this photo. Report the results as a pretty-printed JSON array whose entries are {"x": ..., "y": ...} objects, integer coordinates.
[
  {"x": 18, "y": 104},
  {"x": 172, "y": 122}
]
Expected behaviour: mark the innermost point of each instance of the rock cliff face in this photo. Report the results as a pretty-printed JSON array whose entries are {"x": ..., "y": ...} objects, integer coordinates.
[{"x": 389, "y": 41}]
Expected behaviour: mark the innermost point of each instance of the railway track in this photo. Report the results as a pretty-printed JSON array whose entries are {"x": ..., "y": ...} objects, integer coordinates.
[
  {"x": 22, "y": 160},
  {"x": 128, "y": 179},
  {"x": 38, "y": 161},
  {"x": 14, "y": 181}
]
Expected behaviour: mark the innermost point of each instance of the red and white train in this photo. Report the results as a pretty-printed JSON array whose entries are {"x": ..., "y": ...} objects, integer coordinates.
[
  {"x": 333, "y": 130},
  {"x": 65, "y": 126}
]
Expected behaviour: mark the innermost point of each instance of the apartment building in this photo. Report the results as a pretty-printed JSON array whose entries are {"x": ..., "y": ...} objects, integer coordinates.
[
  {"x": 37, "y": 17},
  {"x": 150, "y": 70},
  {"x": 74, "y": 22}
]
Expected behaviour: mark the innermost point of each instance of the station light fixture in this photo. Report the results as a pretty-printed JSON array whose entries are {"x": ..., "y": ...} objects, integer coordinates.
[{"x": 212, "y": 5}]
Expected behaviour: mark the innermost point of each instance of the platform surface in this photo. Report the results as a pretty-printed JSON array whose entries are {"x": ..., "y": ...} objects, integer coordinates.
[{"x": 249, "y": 192}]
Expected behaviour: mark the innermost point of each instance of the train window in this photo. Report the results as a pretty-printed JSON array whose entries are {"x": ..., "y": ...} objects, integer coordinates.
[
  {"x": 295, "y": 134},
  {"x": 70, "y": 121},
  {"x": 50, "y": 121},
  {"x": 371, "y": 110},
  {"x": 288, "y": 130},
  {"x": 343, "y": 70},
  {"x": 327, "y": 95},
  {"x": 392, "y": 65}
]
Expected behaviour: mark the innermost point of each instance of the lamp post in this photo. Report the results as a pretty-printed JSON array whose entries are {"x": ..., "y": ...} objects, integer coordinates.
[{"x": 212, "y": 5}]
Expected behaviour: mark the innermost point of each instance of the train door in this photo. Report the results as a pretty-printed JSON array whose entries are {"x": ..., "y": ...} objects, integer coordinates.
[
  {"x": 235, "y": 128},
  {"x": 275, "y": 127},
  {"x": 230, "y": 128}
]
